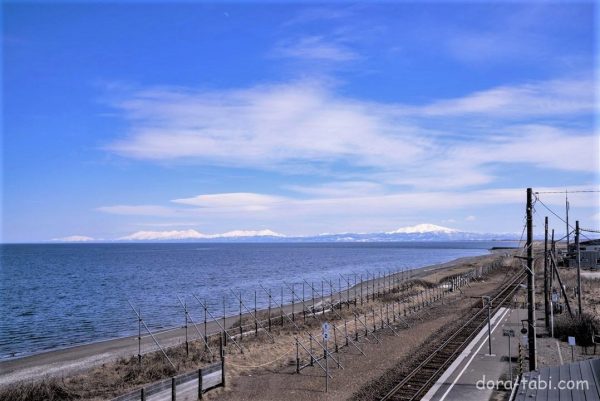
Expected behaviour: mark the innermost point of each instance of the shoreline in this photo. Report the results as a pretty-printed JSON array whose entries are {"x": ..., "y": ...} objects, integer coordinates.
[{"x": 79, "y": 357}]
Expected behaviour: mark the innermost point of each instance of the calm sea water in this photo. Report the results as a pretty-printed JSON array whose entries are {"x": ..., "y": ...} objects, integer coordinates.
[{"x": 59, "y": 295}]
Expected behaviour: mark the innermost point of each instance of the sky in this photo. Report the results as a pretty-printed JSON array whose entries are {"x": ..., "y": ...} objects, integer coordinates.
[{"x": 301, "y": 118}]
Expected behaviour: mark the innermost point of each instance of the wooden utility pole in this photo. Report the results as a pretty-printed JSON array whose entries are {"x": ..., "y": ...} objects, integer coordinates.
[
  {"x": 567, "y": 220},
  {"x": 546, "y": 296},
  {"x": 578, "y": 268},
  {"x": 530, "y": 285},
  {"x": 551, "y": 255}
]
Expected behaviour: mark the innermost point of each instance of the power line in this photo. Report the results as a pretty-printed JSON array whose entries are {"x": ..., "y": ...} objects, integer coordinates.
[
  {"x": 567, "y": 192},
  {"x": 537, "y": 199},
  {"x": 565, "y": 236}
]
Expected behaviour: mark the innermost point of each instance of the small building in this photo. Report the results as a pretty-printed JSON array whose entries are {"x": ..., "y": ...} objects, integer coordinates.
[{"x": 589, "y": 254}]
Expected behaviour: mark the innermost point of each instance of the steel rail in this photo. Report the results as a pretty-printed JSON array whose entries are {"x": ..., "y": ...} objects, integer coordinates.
[{"x": 505, "y": 292}]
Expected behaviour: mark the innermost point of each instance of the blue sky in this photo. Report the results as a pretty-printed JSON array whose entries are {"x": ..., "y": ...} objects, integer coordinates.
[{"x": 301, "y": 118}]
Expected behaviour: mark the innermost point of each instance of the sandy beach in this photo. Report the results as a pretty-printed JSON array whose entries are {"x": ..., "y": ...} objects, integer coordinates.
[{"x": 78, "y": 358}]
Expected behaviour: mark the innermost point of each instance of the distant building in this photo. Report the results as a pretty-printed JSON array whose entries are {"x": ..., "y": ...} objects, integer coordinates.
[{"x": 589, "y": 254}]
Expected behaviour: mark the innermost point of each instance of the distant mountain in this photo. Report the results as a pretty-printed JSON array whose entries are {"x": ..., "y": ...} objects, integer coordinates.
[
  {"x": 248, "y": 233},
  {"x": 413, "y": 236},
  {"x": 419, "y": 232},
  {"x": 196, "y": 235},
  {"x": 163, "y": 235},
  {"x": 422, "y": 229}
]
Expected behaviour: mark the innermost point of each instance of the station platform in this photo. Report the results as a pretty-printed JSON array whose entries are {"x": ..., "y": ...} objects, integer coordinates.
[{"x": 468, "y": 377}]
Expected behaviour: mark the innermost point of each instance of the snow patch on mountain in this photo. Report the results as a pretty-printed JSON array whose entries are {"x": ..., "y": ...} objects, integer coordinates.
[
  {"x": 422, "y": 229},
  {"x": 248, "y": 233},
  {"x": 193, "y": 234},
  {"x": 74, "y": 238}
]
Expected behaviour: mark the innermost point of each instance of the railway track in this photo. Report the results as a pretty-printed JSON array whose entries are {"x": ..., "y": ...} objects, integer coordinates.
[{"x": 414, "y": 384}]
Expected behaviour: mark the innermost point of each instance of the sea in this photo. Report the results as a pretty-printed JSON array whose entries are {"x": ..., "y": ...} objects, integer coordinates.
[{"x": 59, "y": 295}]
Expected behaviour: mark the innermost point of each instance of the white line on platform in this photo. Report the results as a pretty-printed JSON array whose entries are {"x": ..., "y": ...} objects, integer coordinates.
[
  {"x": 496, "y": 319},
  {"x": 559, "y": 353}
]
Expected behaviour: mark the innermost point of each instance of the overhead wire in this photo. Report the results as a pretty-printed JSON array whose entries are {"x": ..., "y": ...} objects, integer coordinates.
[
  {"x": 567, "y": 192},
  {"x": 537, "y": 199}
]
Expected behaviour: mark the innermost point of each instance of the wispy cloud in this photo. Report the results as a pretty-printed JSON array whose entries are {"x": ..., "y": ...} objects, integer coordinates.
[
  {"x": 300, "y": 215},
  {"x": 167, "y": 224},
  {"x": 340, "y": 189},
  {"x": 264, "y": 126},
  {"x": 138, "y": 210},
  {"x": 238, "y": 201},
  {"x": 547, "y": 98},
  {"x": 309, "y": 124},
  {"x": 315, "y": 48}
]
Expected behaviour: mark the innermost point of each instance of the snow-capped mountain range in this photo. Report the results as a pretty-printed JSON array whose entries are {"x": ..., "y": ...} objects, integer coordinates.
[
  {"x": 193, "y": 234},
  {"x": 423, "y": 228},
  {"x": 419, "y": 232}
]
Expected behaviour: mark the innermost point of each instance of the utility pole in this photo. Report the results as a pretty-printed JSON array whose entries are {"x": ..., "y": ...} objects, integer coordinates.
[
  {"x": 530, "y": 285},
  {"x": 578, "y": 267},
  {"x": 546, "y": 304},
  {"x": 567, "y": 220},
  {"x": 488, "y": 303},
  {"x": 551, "y": 255}
]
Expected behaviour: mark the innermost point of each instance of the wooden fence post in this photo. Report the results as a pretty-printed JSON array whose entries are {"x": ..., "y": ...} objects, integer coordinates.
[
  {"x": 335, "y": 338},
  {"x": 200, "y": 392},
  {"x": 222, "y": 366},
  {"x": 297, "y": 356},
  {"x": 346, "y": 331}
]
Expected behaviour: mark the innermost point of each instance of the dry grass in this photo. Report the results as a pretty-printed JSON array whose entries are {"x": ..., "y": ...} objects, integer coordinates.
[
  {"x": 49, "y": 389},
  {"x": 126, "y": 374},
  {"x": 582, "y": 329},
  {"x": 112, "y": 379}
]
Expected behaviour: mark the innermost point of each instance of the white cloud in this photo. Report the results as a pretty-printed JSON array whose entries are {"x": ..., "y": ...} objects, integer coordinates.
[
  {"x": 137, "y": 210},
  {"x": 306, "y": 124},
  {"x": 238, "y": 205},
  {"x": 315, "y": 48},
  {"x": 167, "y": 224},
  {"x": 265, "y": 127},
  {"x": 340, "y": 189},
  {"x": 470, "y": 218},
  {"x": 74, "y": 238},
  {"x": 360, "y": 212},
  {"x": 240, "y": 201},
  {"x": 548, "y": 98}
]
